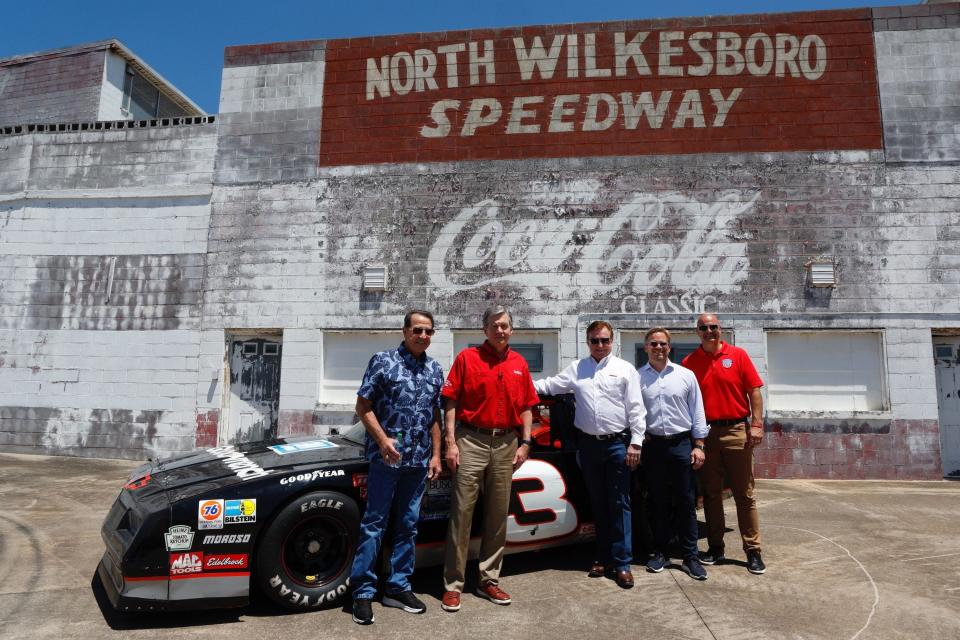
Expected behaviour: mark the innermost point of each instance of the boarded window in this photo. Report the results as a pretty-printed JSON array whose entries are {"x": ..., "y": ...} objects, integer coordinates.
[
  {"x": 825, "y": 371},
  {"x": 345, "y": 358},
  {"x": 539, "y": 348}
]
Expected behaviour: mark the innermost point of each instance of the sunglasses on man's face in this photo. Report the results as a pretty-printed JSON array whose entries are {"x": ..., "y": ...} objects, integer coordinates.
[
  {"x": 596, "y": 341},
  {"x": 655, "y": 343},
  {"x": 708, "y": 327},
  {"x": 419, "y": 331}
]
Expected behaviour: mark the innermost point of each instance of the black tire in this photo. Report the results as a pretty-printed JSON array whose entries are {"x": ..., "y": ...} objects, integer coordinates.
[{"x": 305, "y": 557}]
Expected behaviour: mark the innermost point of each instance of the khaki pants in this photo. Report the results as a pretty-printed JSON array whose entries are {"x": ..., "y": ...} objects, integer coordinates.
[
  {"x": 726, "y": 451},
  {"x": 486, "y": 466}
]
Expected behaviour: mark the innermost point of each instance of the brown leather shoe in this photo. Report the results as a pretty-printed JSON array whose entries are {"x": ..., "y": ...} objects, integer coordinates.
[
  {"x": 597, "y": 570},
  {"x": 624, "y": 579}
]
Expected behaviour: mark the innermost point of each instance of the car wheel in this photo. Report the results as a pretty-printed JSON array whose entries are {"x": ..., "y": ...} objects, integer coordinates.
[{"x": 305, "y": 557}]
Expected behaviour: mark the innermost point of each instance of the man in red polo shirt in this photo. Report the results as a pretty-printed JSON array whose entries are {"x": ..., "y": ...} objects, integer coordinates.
[
  {"x": 734, "y": 406},
  {"x": 488, "y": 397}
]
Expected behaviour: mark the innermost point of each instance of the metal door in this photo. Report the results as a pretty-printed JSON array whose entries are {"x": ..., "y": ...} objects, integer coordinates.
[
  {"x": 254, "y": 390},
  {"x": 946, "y": 353}
]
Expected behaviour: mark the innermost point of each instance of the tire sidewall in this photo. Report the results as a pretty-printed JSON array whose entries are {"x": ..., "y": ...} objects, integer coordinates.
[{"x": 271, "y": 576}]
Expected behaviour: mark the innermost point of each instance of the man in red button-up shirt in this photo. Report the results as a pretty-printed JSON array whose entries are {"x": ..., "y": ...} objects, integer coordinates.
[{"x": 488, "y": 397}]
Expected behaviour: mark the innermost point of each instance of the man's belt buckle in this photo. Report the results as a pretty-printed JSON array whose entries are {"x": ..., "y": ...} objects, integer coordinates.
[{"x": 610, "y": 436}]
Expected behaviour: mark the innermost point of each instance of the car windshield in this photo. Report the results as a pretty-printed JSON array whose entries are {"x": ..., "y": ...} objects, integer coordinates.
[{"x": 356, "y": 433}]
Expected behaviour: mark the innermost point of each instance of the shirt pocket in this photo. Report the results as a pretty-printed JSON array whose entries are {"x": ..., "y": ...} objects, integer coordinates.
[{"x": 610, "y": 385}]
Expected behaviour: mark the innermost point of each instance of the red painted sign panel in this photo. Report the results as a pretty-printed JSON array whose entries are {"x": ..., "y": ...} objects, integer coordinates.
[{"x": 711, "y": 85}]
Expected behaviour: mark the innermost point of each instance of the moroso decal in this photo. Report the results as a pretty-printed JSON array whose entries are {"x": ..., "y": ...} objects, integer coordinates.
[
  {"x": 182, "y": 563},
  {"x": 178, "y": 538},
  {"x": 240, "y": 511},
  {"x": 237, "y": 538},
  {"x": 225, "y": 561},
  {"x": 296, "y": 447},
  {"x": 245, "y": 468},
  {"x": 210, "y": 514}
]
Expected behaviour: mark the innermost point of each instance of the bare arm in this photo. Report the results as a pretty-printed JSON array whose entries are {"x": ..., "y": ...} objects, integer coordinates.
[
  {"x": 526, "y": 428},
  {"x": 387, "y": 445},
  {"x": 449, "y": 433},
  {"x": 434, "y": 468},
  {"x": 755, "y": 436}
]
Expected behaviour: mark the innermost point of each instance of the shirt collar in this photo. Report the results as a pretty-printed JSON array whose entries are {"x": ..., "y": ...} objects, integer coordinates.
[
  {"x": 716, "y": 354},
  {"x": 409, "y": 358},
  {"x": 488, "y": 349},
  {"x": 667, "y": 368}
]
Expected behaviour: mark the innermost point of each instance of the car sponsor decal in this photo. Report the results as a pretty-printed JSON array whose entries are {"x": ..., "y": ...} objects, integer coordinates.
[
  {"x": 244, "y": 467},
  {"x": 234, "y": 538},
  {"x": 318, "y": 473},
  {"x": 296, "y": 447},
  {"x": 240, "y": 511},
  {"x": 178, "y": 538},
  {"x": 322, "y": 503},
  {"x": 539, "y": 508},
  {"x": 183, "y": 563},
  {"x": 225, "y": 562},
  {"x": 210, "y": 514}
]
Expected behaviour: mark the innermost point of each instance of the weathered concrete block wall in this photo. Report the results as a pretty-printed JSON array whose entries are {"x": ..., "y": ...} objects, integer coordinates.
[
  {"x": 58, "y": 89},
  {"x": 918, "y": 60},
  {"x": 102, "y": 245}
]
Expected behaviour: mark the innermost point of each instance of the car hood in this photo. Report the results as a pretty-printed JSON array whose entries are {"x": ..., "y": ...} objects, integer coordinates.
[{"x": 210, "y": 469}]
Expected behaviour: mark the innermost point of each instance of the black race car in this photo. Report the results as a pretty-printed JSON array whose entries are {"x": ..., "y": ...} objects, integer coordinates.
[{"x": 199, "y": 530}]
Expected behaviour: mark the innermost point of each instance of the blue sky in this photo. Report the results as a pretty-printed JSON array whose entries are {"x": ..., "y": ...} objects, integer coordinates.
[{"x": 184, "y": 41}]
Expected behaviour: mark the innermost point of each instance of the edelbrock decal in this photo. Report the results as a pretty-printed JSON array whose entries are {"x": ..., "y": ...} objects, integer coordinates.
[
  {"x": 295, "y": 447},
  {"x": 225, "y": 561},
  {"x": 244, "y": 467},
  {"x": 178, "y": 538}
]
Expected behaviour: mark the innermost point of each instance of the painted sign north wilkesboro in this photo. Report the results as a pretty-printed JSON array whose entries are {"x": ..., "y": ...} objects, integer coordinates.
[{"x": 748, "y": 83}]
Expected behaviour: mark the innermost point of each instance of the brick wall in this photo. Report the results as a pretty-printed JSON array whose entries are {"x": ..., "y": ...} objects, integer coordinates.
[
  {"x": 919, "y": 74},
  {"x": 102, "y": 244},
  {"x": 58, "y": 89}
]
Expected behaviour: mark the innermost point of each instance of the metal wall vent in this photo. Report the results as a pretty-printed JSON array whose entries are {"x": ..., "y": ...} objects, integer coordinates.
[
  {"x": 375, "y": 277},
  {"x": 823, "y": 273}
]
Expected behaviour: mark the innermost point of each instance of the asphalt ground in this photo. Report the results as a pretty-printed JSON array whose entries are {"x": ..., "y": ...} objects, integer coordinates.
[{"x": 846, "y": 559}]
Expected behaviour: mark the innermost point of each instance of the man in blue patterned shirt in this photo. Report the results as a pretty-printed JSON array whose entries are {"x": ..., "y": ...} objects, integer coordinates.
[{"x": 399, "y": 405}]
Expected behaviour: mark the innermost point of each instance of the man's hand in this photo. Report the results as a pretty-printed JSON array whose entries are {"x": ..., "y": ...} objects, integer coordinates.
[
  {"x": 388, "y": 451},
  {"x": 523, "y": 452},
  {"x": 452, "y": 457},
  {"x": 435, "y": 467},
  {"x": 755, "y": 434},
  {"x": 697, "y": 457},
  {"x": 633, "y": 456}
]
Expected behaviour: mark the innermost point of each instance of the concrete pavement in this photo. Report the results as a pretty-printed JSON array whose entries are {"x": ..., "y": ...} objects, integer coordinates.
[{"x": 846, "y": 559}]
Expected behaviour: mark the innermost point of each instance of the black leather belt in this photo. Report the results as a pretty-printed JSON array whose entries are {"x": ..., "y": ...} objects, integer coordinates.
[
  {"x": 485, "y": 431},
  {"x": 727, "y": 422},
  {"x": 672, "y": 438},
  {"x": 606, "y": 436}
]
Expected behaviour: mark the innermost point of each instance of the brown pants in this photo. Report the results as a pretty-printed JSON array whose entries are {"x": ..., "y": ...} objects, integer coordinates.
[
  {"x": 726, "y": 451},
  {"x": 486, "y": 466}
]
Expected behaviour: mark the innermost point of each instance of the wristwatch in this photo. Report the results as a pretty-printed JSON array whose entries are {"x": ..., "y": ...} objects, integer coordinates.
[
  {"x": 526, "y": 442},
  {"x": 698, "y": 446}
]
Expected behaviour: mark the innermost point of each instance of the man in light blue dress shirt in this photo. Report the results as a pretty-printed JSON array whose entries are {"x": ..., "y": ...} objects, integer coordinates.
[
  {"x": 610, "y": 423},
  {"x": 676, "y": 429}
]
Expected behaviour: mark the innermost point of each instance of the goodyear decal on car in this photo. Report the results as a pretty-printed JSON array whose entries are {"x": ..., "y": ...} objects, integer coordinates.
[
  {"x": 178, "y": 538},
  {"x": 210, "y": 514},
  {"x": 244, "y": 467},
  {"x": 313, "y": 475},
  {"x": 240, "y": 511},
  {"x": 296, "y": 447}
]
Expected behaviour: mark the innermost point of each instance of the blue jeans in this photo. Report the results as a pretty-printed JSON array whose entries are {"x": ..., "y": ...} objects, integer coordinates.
[
  {"x": 388, "y": 487},
  {"x": 607, "y": 477},
  {"x": 671, "y": 493}
]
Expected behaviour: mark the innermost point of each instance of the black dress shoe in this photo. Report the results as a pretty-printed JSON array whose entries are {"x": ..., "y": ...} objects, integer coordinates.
[
  {"x": 597, "y": 570},
  {"x": 624, "y": 579}
]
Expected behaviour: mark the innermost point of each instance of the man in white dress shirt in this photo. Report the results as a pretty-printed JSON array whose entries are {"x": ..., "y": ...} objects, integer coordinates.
[
  {"x": 610, "y": 419},
  {"x": 676, "y": 429}
]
